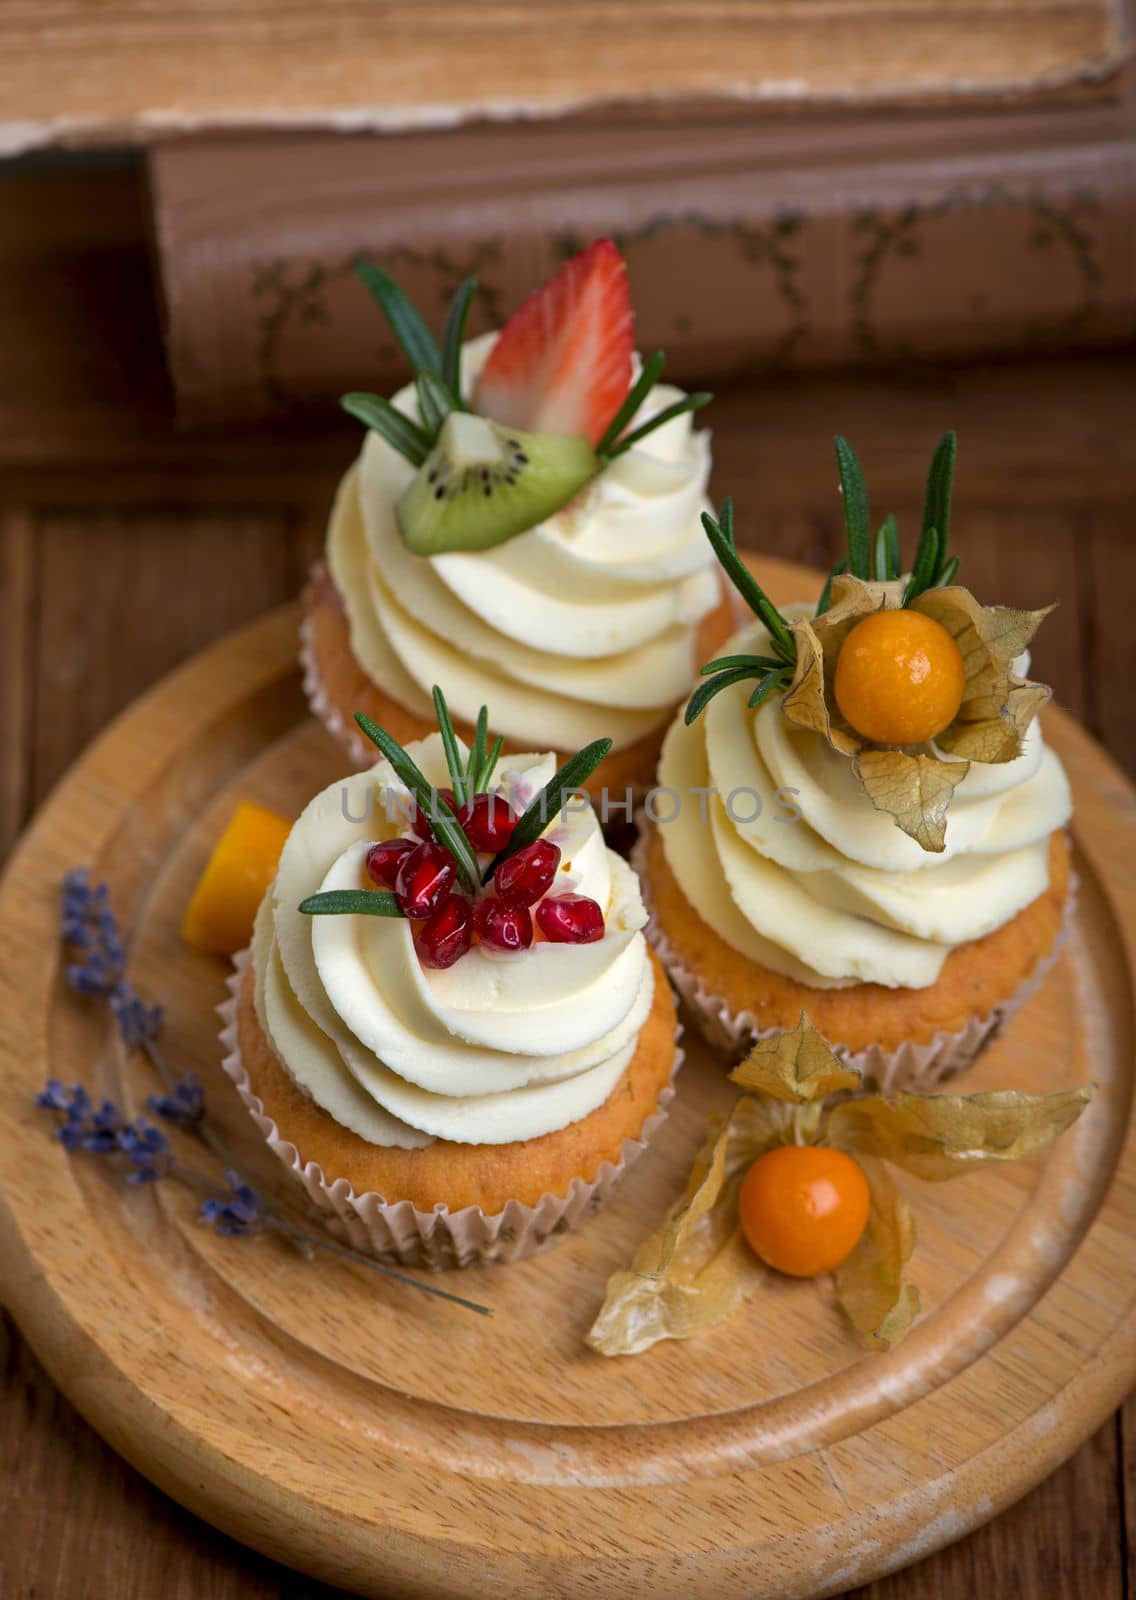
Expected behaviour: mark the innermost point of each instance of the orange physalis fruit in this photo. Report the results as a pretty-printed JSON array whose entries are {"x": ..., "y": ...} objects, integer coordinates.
[
  {"x": 900, "y": 678},
  {"x": 221, "y": 913},
  {"x": 803, "y": 1208}
]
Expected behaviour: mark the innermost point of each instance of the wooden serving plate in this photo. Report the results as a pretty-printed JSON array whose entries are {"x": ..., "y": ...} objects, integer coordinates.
[{"x": 395, "y": 1444}]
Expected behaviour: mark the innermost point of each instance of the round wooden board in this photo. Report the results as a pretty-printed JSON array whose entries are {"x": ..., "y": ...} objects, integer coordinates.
[{"x": 394, "y": 1444}]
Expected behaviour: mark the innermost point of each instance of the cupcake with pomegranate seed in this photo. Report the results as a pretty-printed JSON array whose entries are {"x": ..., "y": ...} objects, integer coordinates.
[
  {"x": 521, "y": 526},
  {"x": 449, "y": 1025},
  {"x": 870, "y": 825}
]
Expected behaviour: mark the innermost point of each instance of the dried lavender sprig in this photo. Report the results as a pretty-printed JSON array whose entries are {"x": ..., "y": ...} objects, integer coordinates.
[
  {"x": 90, "y": 930},
  {"x": 236, "y": 1211},
  {"x": 89, "y": 927}
]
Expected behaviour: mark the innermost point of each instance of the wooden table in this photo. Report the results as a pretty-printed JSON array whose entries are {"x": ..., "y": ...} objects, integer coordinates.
[{"x": 124, "y": 549}]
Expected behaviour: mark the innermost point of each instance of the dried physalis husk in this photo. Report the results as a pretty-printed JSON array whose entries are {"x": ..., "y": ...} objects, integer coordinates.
[
  {"x": 870, "y": 1287},
  {"x": 933, "y": 1137},
  {"x": 697, "y": 1269},
  {"x": 997, "y": 706},
  {"x": 946, "y": 1135},
  {"x": 915, "y": 787},
  {"x": 915, "y": 790},
  {"x": 810, "y": 701},
  {"x": 798, "y": 1067}
]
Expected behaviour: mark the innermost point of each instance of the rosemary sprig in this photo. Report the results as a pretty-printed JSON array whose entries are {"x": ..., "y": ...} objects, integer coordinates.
[
  {"x": 925, "y": 566},
  {"x": 771, "y": 671},
  {"x": 397, "y": 429},
  {"x": 437, "y": 373},
  {"x": 880, "y": 558},
  {"x": 937, "y": 496},
  {"x": 738, "y": 661},
  {"x": 932, "y": 568},
  {"x": 771, "y": 681},
  {"x": 406, "y": 325},
  {"x": 638, "y": 392},
  {"x": 453, "y": 334},
  {"x": 490, "y": 767},
  {"x": 447, "y": 829},
  {"x": 470, "y": 777},
  {"x": 479, "y": 754},
  {"x": 887, "y": 550},
  {"x": 458, "y": 774},
  {"x": 702, "y": 696},
  {"x": 857, "y": 520},
  {"x": 690, "y": 402},
  {"x": 354, "y": 902},
  {"x": 435, "y": 401},
  {"x": 572, "y": 775},
  {"x": 721, "y": 536}
]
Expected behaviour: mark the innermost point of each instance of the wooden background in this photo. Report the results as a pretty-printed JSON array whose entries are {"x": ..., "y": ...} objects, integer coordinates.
[{"x": 124, "y": 548}]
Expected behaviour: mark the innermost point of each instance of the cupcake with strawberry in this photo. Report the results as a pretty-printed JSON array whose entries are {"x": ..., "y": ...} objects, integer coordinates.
[
  {"x": 448, "y": 1024},
  {"x": 521, "y": 526}
]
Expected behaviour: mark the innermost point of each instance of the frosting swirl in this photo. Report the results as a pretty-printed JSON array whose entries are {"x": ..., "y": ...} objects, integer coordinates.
[
  {"x": 586, "y": 622},
  {"x": 786, "y": 858},
  {"x": 491, "y": 1050}
]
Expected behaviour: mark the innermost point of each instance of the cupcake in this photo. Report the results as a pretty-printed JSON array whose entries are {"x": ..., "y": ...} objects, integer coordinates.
[
  {"x": 521, "y": 526},
  {"x": 858, "y": 816},
  {"x": 448, "y": 1024}
]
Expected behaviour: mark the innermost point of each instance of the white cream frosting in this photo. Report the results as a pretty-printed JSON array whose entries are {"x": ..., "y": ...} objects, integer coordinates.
[
  {"x": 491, "y": 1050},
  {"x": 819, "y": 885},
  {"x": 584, "y": 626}
]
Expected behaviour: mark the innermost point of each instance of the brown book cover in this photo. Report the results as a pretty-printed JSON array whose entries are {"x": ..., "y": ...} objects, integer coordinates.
[
  {"x": 751, "y": 245},
  {"x": 76, "y": 72}
]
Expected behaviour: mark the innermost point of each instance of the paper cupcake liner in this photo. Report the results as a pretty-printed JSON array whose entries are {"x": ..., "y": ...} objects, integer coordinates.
[
  {"x": 910, "y": 1066},
  {"x": 359, "y": 750},
  {"x": 399, "y": 1232}
]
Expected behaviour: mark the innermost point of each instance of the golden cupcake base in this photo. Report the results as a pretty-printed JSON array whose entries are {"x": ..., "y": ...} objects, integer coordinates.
[
  {"x": 451, "y": 1204},
  {"x": 897, "y": 1036},
  {"x": 338, "y": 687}
]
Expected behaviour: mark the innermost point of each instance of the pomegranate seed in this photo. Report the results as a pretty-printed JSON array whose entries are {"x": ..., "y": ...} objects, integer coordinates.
[
  {"x": 528, "y": 874},
  {"x": 570, "y": 919},
  {"x": 503, "y": 924},
  {"x": 446, "y": 936},
  {"x": 488, "y": 822},
  {"x": 424, "y": 880},
  {"x": 421, "y": 823},
  {"x": 384, "y": 860}
]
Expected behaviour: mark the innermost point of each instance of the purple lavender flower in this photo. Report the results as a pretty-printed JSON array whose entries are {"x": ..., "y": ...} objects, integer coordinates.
[
  {"x": 101, "y": 1130},
  {"x": 83, "y": 1127},
  {"x": 89, "y": 929},
  {"x": 184, "y": 1105},
  {"x": 237, "y": 1217},
  {"x": 147, "y": 1150},
  {"x": 56, "y": 1096},
  {"x": 137, "y": 1022}
]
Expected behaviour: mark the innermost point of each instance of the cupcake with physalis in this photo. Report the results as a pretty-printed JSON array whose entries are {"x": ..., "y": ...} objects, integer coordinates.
[
  {"x": 521, "y": 526},
  {"x": 449, "y": 1024},
  {"x": 871, "y": 825}
]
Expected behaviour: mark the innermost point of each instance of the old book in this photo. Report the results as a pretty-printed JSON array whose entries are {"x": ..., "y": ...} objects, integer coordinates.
[
  {"x": 75, "y": 72},
  {"x": 751, "y": 246}
]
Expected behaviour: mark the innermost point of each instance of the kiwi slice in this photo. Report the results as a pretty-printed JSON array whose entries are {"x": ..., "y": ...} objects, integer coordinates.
[{"x": 482, "y": 484}]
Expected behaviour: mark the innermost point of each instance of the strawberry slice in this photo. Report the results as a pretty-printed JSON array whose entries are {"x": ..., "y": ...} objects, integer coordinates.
[{"x": 562, "y": 363}]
